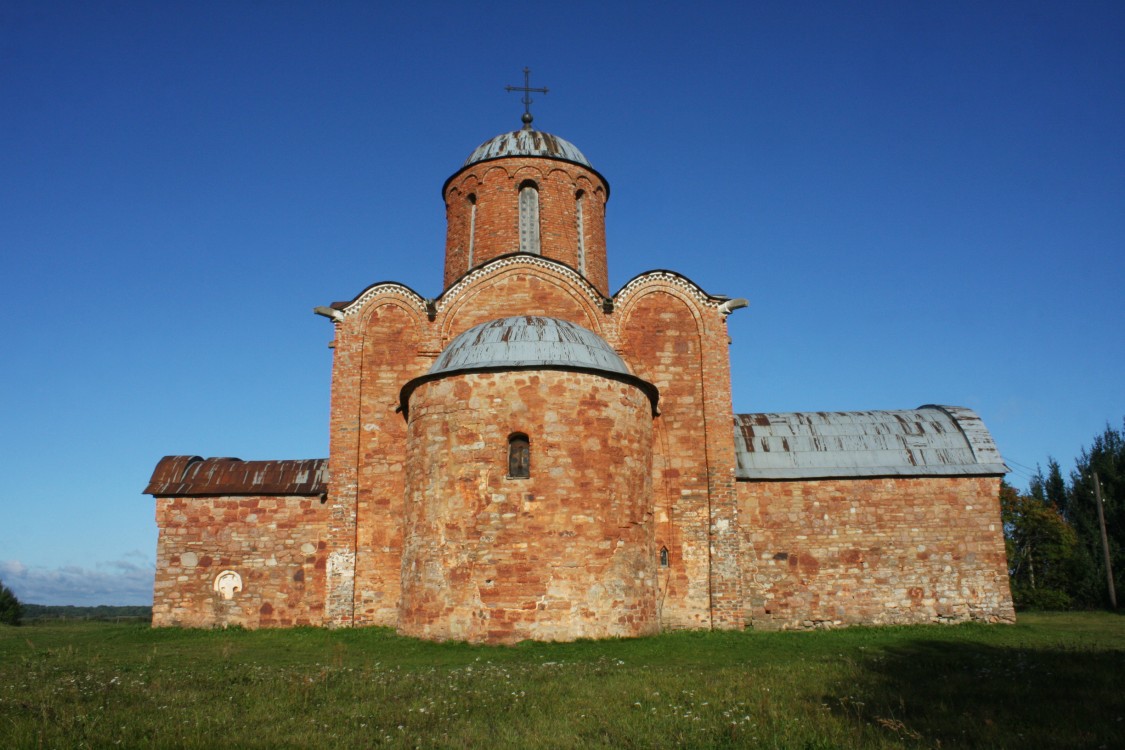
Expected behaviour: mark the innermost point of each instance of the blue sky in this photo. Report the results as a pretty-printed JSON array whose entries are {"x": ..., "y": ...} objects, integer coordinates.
[{"x": 923, "y": 202}]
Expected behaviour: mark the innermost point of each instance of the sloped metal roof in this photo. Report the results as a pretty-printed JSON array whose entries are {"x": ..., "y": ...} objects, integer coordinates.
[
  {"x": 528, "y": 340},
  {"x": 527, "y": 143},
  {"x": 192, "y": 476},
  {"x": 927, "y": 441}
]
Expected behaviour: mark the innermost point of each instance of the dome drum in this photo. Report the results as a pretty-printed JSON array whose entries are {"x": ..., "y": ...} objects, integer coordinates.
[{"x": 529, "y": 192}]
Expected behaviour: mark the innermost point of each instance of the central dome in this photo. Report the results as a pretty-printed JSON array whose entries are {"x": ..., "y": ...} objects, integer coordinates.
[
  {"x": 527, "y": 143},
  {"x": 528, "y": 340}
]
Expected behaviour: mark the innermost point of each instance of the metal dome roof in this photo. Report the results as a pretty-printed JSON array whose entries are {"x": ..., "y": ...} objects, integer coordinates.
[
  {"x": 527, "y": 142},
  {"x": 528, "y": 341}
]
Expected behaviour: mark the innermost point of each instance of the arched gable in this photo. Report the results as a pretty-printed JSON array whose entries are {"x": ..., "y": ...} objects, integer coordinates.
[
  {"x": 381, "y": 289},
  {"x": 660, "y": 334},
  {"x": 673, "y": 334},
  {"x": 515, "y": 285},
  {"x": 378, "y": 336},
  {"x": 669, "y": 281}
]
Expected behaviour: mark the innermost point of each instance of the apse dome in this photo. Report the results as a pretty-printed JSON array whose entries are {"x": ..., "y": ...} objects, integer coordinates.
[
  {"x": 527, "y": 142},
  {"x": 528, "y": 341}
]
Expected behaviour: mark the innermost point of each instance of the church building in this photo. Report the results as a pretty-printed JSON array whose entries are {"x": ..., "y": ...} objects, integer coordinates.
[{"x": 528, "y": 455}]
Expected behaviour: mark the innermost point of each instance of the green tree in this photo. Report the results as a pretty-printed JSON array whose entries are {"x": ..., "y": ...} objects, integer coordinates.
[
  {"x": 1041, "y": 548},
  {"x": 1055, "y": 486},
  {"x": 11, "y": 611},
  {"x": 1076, "y": 564},
  {"x": 1051, "y": 488},
  {"x": 1106, "y": 457}
]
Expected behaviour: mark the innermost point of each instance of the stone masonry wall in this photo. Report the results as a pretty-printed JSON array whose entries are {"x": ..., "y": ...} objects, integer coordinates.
[
  {"x": 565, "y": 553},
  {"x": 873, "y": 551},
  {"x": 277, "y": 545}
]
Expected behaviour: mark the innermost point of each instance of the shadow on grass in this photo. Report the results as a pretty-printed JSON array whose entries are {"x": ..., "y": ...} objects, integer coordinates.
[{"x": 936, "y": 693}]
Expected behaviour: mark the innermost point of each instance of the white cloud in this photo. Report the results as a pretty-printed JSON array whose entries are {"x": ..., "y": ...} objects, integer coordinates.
[
  {"x": 119, "y": 582},
  {"x": 10, "y": 568}
]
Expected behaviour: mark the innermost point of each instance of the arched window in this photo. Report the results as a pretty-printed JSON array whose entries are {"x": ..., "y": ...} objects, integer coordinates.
[
  {"x": 529, "y": 218},
  {"x": 664, "y": 557},
  {"x": 580, "y": 219},
  {"x": 519, "y": 456},
  {"x": 472, "y": 225}
]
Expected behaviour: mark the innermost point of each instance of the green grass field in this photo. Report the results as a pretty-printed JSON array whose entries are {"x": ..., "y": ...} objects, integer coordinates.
[{"x": 1053, "y": 680}]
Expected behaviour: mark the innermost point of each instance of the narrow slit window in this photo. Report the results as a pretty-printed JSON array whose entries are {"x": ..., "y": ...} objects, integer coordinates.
[
  {"x": 580, "y": 219},
  {"x": 519, "y": 456},
  {"x": 664, "y": 557},
  {"x": 472, "y": 225},
  {"x": 529, "y": 218}
]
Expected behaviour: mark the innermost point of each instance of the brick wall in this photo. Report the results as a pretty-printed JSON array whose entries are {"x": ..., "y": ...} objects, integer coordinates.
[
  {"x": 495, "y": 186},
  {"x": 276, "y": 544},
  {"x": 566, "y": 553},
  {"x": 377, "y": 351},
  {"x": 385, "y": 341},
  {"x": 391, "y": 356},
  {"x": 878, "y": 551},
  {"x": 672, "y": 337},
  {"x": 518, "y": 291}
]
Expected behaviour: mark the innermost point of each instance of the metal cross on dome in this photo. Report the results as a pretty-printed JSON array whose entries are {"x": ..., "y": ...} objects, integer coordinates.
[{"x": 526, "y": 89}]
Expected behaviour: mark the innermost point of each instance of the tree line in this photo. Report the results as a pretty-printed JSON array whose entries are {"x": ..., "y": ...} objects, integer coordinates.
[
  {"x": 37, "y": 612},
  {"x": 1053, "y": 535},
  {"x": 15, "y": 612}
]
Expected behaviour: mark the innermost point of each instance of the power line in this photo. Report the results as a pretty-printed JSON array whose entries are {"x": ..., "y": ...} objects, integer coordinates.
[{"x": 1025, "y": 467}]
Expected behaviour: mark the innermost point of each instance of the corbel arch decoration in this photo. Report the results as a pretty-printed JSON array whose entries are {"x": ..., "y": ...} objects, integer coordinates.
[
  {"x": 360, "y": 307},
  {"x": 559, "y": 291}
]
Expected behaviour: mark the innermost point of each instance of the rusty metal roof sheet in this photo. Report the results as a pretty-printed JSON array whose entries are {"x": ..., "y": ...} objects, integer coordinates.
[
  {"x": 927, "y": 441},
  {"x": 525, "y": 340},
  {"x": 527, "y": 143},
  {"x": 187, "y": 476}
]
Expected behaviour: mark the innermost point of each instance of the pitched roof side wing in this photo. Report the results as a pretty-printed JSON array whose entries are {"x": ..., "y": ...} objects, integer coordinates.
[
  {"x": 928, "y": 441},
  {"x": 192, "y": 476}
]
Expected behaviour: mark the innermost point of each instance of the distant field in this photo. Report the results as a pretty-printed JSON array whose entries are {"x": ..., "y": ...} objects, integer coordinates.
[{"x": 1053, "y": 680}]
